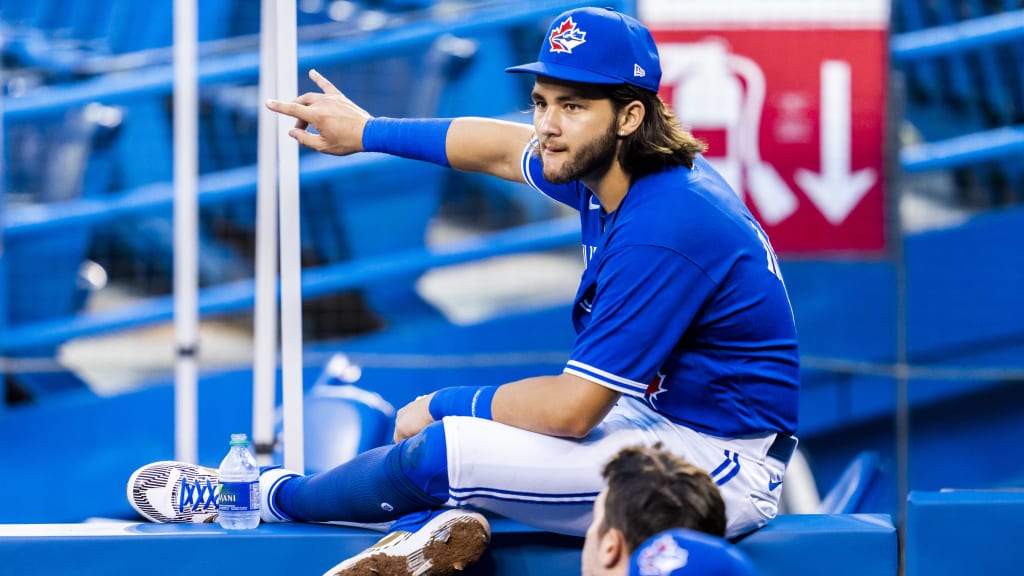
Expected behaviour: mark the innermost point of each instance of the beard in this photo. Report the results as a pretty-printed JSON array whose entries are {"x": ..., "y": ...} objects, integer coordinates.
[{"x": 594, "y": 157}]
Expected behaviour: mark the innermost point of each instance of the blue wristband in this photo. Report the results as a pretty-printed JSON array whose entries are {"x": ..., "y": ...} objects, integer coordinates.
[
  {"x": 472, "y": 401},
  {"x": 415, "y": 138}
]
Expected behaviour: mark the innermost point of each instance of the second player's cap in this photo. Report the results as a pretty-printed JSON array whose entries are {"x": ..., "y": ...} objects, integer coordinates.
[
  {"x": 598, "y": 46},
  {"x": 682, "y": 552}
]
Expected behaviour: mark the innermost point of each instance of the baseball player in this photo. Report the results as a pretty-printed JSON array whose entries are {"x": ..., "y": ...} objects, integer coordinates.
[{"x": 685, "y": 335}]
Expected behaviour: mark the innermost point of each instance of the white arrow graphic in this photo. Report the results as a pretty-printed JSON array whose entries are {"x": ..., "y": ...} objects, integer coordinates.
[{"x": 835, "y": 191}]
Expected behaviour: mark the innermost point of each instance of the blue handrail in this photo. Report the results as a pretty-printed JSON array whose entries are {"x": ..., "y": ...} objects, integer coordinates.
[
  {"x": 926, "y": 45},
  {"x": 158, "y": 80},
  {"x": 952, "y": 38},
  {"x": 214, "y": 187},
  {"x": 117, "y": 88},
  {"x": 993, "y": 144},
  {"x": 236, "y": 296}
]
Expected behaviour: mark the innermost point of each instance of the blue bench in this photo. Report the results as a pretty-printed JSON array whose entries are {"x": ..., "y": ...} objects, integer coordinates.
[
  {"x": 833, "y": 544},
  {"x": 167, "y": 549},
  {"x": 791, "y": 546},
  {"x": 964, "y": 532}
]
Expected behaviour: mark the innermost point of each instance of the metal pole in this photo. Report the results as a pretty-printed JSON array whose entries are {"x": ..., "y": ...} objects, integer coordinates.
[
  {"x": 265, "y": 312},
  {"x": 291, "y": 267},
  {"x": 186, "y": 231},
  {"x": 3, "y": 262},
  {"x": 898, "y": 258}
]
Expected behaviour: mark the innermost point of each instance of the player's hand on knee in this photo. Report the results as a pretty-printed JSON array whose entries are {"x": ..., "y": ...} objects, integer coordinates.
[
  {"x": 338, "y": 121},
  {"x": 413, "y": 418}
]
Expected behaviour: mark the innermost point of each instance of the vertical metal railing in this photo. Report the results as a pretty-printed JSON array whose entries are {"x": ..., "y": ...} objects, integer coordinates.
[{"x": 186, "y": 231}]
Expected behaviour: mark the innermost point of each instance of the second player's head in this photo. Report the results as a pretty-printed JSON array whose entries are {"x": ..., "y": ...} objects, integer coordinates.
[{"x": 648, "y": 490}]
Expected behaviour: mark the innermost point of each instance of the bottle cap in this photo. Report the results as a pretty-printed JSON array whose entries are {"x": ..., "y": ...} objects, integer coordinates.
[{"x": 239, "y": 439}]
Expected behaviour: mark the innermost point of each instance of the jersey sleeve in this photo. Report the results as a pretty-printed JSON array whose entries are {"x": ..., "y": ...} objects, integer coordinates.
[
  {"x": 533, "y": 173},
  {"x": 646, "y": 299}
]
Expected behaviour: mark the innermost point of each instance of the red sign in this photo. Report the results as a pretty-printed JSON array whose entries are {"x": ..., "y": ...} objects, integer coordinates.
[{"x": 794, "y": 117}]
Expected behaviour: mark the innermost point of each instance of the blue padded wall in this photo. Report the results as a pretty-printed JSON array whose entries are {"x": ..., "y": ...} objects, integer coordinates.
[{"x": 964, "y": 532}]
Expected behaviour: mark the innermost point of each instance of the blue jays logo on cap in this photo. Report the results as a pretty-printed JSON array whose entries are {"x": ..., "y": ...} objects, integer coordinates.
[
  {"x": 661, "y": 557},
  {"x": 598, "y": 46},
  {"x": 684, "y": 552},
  {"x": 566, "y": 36}
]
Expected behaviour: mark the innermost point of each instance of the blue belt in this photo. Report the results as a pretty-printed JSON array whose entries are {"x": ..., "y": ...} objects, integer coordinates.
[{"x": 782, "y": 448}]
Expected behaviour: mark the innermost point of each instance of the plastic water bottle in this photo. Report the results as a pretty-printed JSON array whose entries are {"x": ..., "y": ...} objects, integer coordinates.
[{"x": 238, "y": 495}]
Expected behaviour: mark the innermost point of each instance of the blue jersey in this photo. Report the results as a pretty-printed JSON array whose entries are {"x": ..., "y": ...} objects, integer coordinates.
[{"x": 682, "y": 302}]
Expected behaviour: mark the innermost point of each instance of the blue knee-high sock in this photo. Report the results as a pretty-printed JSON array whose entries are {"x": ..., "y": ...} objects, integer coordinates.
[
  {"x": 372, "y": 487},
  {"x": 424, "y": 460}
]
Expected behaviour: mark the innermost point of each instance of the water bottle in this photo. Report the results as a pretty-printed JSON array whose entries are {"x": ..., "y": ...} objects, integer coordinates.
[{"x": 238, "y": 495}]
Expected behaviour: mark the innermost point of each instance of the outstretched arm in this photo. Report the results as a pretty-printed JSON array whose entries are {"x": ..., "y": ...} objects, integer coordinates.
[
  {"x": 481, "y": 145},
  {"x": 488, "y": 146}
]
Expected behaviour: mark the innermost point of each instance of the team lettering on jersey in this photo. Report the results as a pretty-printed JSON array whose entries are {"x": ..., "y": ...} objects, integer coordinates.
[
  {"x": 773, "y": 260},
  {"x": 588, "y": 254}
]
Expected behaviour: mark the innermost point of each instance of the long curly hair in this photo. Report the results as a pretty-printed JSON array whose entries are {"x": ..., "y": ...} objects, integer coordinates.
[{"x": 660, "y": 142}]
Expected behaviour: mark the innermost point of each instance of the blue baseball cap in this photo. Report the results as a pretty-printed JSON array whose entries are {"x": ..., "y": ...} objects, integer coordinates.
[
  {"x": 683, "y": 552},
  {"x": 598, "y": 46}
]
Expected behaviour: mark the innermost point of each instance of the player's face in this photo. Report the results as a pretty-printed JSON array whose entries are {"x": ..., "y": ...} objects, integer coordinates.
[
  {"x": 592, "y": 561},
  {"x": 575, "y": 126}
]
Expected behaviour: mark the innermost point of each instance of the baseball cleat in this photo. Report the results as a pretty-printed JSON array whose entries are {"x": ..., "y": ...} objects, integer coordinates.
[
  {"x": 451, "y": 541},
  {"x": 174, "y": 492}
]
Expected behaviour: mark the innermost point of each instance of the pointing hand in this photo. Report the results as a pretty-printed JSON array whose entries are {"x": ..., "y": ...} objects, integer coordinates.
[{"x": 338, "y": 121}]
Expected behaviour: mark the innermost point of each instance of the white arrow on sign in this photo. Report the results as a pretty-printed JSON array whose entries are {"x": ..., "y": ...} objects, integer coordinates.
[{"x": 835, "y": 191}]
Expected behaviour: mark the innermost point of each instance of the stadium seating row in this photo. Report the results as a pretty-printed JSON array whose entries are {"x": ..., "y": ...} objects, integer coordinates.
[
  {"x": 975, "y": 86},
  {"x": 115, "y": 131}
]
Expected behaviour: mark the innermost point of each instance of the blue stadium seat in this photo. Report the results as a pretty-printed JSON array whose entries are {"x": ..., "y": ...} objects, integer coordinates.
[
  {"x": 816, "y": 544},
  {"x": 340, "y": 419},
  {"x": 56, "y": 170},
  {"x": 78, "y": 38},
  {"x": 856, "y": 487}
]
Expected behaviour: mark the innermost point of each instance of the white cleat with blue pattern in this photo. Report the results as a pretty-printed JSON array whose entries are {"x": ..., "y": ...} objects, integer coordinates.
[{"x": 174, "y": 492}]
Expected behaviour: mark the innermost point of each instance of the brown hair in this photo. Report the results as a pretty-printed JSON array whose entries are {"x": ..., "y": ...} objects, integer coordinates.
[
  {"x": 651, "y": 490},
  {"x": 660, "y": 142}
]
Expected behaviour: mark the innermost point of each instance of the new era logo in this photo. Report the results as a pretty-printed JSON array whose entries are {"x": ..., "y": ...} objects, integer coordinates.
[{"x": 638, "y": 72}]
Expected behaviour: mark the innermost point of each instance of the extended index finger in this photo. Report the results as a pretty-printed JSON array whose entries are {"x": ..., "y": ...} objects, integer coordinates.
[
  {"x": 292, "y": 109},
  {"x": 322, "y": 82}
]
